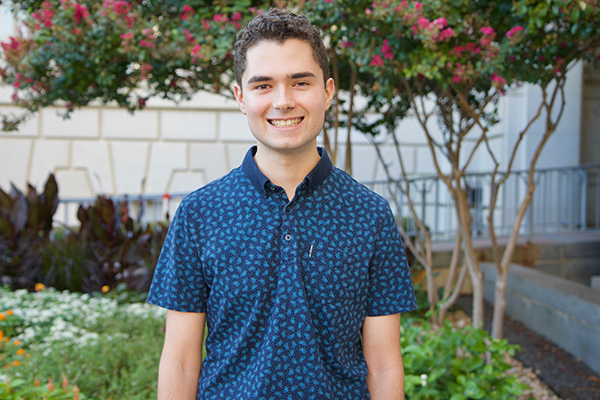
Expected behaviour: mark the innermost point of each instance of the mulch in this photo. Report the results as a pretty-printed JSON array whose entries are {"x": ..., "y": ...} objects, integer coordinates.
[{"x": 567, "y": 376}]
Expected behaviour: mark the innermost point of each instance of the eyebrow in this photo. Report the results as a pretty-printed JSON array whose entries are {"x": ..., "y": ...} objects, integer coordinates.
[{"x": 297, "y": 75}]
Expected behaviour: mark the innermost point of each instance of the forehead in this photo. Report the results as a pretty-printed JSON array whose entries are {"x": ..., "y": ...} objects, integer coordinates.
[{"x": 273, "y": 58}]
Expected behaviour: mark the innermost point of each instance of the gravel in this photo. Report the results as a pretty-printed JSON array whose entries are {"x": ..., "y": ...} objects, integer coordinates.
[{"x": 564, "y": 375}]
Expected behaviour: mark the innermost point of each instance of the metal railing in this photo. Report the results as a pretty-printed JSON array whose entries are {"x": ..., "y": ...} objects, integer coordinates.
[{"x": 565, "y": 199}]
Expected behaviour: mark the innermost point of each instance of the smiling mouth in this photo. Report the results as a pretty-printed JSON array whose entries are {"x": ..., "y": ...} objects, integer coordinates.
[{"x": 282, "y": 123}]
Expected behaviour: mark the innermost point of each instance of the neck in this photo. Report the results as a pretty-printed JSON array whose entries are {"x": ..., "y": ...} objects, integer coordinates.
[{"x": 287, "y": 170}]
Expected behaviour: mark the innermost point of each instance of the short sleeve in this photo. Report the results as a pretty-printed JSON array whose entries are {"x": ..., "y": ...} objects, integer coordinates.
[
  {"x": 391, "y": 289},
  {"x": 178, "y": 282}
]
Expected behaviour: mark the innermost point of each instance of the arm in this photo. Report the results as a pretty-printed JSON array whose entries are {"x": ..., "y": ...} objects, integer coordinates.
[
  {"x": 181, "y": 357},
  {"x": 381, "y": 347}
]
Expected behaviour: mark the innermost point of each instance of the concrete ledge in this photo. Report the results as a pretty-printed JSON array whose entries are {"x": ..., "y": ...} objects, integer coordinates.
[{"x": 566, "y": 312}]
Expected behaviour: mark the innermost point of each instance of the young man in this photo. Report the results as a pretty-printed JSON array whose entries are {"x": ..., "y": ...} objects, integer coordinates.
[{"x": 298, "y": 270}]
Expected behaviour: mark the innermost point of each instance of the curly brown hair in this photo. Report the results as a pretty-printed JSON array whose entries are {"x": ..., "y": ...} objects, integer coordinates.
[{"x": 278, "y": 25}]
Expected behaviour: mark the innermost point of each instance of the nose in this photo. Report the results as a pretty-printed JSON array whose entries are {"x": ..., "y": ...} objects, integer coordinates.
[{"x": 283, "y": 99}]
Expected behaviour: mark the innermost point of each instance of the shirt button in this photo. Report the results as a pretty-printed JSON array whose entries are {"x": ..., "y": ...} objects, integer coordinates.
[{"x": 288, "y": 237}]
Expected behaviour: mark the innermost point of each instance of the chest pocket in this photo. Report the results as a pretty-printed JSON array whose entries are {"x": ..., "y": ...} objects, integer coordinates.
[{"x": 330, "y": 274}]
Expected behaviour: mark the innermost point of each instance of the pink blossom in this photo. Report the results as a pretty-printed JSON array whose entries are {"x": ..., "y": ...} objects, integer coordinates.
[
  {"x": 121, "y": 7},
  {"x": 205, "y": 24},
  {"x": 458, "y": 50},
  {"x": 236, "y": 16},
  {"x": 17, "y": 84},
  {"x": 127, "y": 36},
  {"x": 328, "y": 1},
  {"x": 423, "y": 22},
  {"x": 48, "y": 23},
  {"x": 377, "y": 61},
  {"x": 14, "y": 44},
  {"x": 217, "y": 17},
  {"x": 76, "y": 31},
  {"x": 81, "y": 12},
  {"x": 147, "y": 44},
  {"x": 514, "y": 30},
  {"x": 446, "y": 33},
  {"x": 485, "y": 42},
  {"x": 368, "y": 11},
  {"x": 186, "y": 12},
  {"x": 145, "y": 69},
  {"x": 386, "y": 48},
  {"x": 346, "y": 44},
  {"x": 418, "y": 6},
  {"x": 487, "y": 30},
  {"x": 195, "y": 50},
  {"x": 440, "y": 22},
  {"x": 496, "y": 78},
  {"x": 404, "y": 3},
  {"x": 456, "y": 79},
  {"x": 188, "y": 35}
]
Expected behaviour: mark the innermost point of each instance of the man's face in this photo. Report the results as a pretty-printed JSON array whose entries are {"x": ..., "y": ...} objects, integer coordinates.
[{"x": 283, "y": 95}]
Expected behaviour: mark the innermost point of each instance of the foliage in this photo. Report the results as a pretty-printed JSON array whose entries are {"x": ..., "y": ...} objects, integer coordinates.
[
  {"x": 112, "y": 350},
  {"x": 18, "y": 389},
  {"x": 108, "y": 249},
  {"x": 107, "y": 349},
  {"x": 121, "y": 51},
  {"x": 456, "y": 364},
  {"x": 28, "y": 216}
]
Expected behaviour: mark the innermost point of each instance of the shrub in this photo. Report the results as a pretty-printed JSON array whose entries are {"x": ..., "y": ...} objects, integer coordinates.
[
  {"x": 456, "y": 364},
  {"x": 109, "y": 350}
]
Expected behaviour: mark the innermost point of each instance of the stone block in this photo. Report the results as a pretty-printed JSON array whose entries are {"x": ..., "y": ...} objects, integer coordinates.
[
  {"x": 233, "y": 127},
  {"x": 14, "y": 162},
  {"x": 364, "y": 162},
  {"x": 548, "y": 251},
  {"x": 129, "y": 165},
  {"x": 74, "y": 184},
  {"x": 48, "y": 156},
  {"x": 94, "y": 157},
  {"x": 120, "y": 124},
  {"x": 210, "y": 158},
  {"x": 82, "y": 123},
  {"x": 27, "y": 128},
  {"x": 188, "y": 125},
  {"x": 236, "y": 154},
  {"x": 424, "y": 162},
  {"x": 582, "y": 270},
  {"x": 200, "y": 100},
  {"x": 186, "y": 181},
  {"x": 165, "y": 159},
  {"x": 582, "y": 250},
  {"x": 595, "y": 282}
]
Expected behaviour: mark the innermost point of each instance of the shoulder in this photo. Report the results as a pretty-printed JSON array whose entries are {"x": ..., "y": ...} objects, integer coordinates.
[
  {"x": 214, "y": 194},
  {"x": 350, "y": 189}
]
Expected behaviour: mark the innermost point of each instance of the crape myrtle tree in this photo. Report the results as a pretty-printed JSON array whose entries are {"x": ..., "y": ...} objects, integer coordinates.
[
  {"x": 453, "y": 61},
  {"x": 71, "y": 53}
]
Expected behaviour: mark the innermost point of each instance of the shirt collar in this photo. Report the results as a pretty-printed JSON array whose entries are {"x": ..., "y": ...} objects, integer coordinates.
[{"x": 314, "y": 178}]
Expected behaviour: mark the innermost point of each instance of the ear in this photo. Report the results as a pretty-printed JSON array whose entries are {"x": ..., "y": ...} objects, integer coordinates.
[
  {"x": 239, "y": 97},
  {"x": 329, "y": 92}
]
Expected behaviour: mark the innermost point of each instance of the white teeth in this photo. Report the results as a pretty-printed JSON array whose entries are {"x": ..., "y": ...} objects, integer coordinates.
[{"x": 280, "y": 123}]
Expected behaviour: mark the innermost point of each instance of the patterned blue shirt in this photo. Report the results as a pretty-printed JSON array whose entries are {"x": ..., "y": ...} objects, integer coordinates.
[{"x": 286, "y": 285}]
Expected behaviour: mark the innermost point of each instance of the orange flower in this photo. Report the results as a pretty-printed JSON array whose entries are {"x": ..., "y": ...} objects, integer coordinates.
[
  {"x": 76, "y": 393},
  {"x": 15, "y": 363},
  {"x": 50, "y": 385},
  {"x": 9, "y": 312},
  {"x": 1, "y": 335},
  {"x": 17, "y": 342},
  {"x": 105, "y": 289},
  {"x": 39, "y": 286},
  {"x": 20, "y": 352},
  {"x": 36, "y": 383},
  {"x": 2, "y": 316}
]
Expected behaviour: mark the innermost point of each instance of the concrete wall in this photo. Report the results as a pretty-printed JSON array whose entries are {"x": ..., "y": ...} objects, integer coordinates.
[{"x": 565, "y": 312}]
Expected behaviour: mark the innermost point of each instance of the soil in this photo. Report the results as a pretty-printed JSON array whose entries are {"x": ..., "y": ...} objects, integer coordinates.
[{"x": 566, "y": 376}]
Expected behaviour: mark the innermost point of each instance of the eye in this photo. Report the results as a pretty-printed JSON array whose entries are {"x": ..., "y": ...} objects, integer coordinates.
[
  {"x": 261, "y": 87},
  {"x": 302, "y": 83}
]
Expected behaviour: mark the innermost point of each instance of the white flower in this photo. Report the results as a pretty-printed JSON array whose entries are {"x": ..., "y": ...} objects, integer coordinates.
[{"x": 424, "y": 379}]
